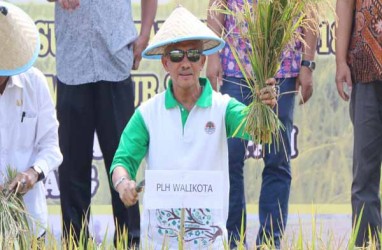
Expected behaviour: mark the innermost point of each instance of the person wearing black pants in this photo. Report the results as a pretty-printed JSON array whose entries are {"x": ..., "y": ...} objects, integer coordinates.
[
  {"x": 359, "y": 78},
  {"x": 101, "y": 107},
  {"x": 97, "y": 47}
]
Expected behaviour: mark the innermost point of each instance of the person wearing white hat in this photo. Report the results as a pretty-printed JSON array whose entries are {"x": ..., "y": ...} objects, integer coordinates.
[
  {"x": 182, "y": 135},
  {"x": 28, "y": 124},
  {"x": 97, "y": 47}
]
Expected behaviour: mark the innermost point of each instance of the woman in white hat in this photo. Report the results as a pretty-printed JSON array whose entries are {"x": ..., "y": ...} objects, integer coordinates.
[
  {"x": 182, "y": 133},
  {"x": 28, "y": 124}
]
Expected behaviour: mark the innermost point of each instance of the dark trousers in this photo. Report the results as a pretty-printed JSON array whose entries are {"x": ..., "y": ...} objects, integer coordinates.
[
  {"x": 236, "y": 155},
  {"x": 104, "y": 107},
  {"x": 276, "y": 177},
  {"x": 366, "y": 115}
]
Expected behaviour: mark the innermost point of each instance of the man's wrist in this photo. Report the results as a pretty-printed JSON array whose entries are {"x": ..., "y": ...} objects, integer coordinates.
[
  {"x": 341, "y": 63},
  {"x": 309, "y": 64},
  {"x": 119, "y": 181},
  {"x": 39, "y": 172}
]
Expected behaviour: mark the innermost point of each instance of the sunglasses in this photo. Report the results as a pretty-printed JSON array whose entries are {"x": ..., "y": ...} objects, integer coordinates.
[{"x": 177, "y": 55}]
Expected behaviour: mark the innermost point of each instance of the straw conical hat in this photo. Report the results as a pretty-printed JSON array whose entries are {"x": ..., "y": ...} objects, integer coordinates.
[
  {"x": 180, "y": 26},
  {"x": 20, "y": 41}
]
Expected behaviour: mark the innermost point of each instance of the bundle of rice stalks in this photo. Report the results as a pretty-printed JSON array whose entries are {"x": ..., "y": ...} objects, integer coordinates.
[
  {"x": 267, "y": 27},
  {"x": 14, "y": 229}
]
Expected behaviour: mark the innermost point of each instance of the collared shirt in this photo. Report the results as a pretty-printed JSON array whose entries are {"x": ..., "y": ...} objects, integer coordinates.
[
  {"x": 291, "y": 56},
  {"x": 135, "y": 137},
  {"x": 94, "y": 42},
  {"x": 29, "y": 134}
]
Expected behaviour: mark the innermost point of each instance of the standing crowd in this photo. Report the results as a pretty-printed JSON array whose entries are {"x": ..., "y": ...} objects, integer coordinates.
[{"x": 198, "y": 118}]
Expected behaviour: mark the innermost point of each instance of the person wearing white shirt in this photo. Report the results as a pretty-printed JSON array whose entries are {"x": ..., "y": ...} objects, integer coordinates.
[{"x": 28, "y": 123}]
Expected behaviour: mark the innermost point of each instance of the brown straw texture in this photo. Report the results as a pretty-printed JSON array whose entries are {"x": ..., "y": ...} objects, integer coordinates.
[{"x": 19, "y": 38}]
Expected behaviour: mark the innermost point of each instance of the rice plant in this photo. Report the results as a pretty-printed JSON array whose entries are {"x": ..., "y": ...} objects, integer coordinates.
[
  {"x": 302, "y": 239},
  {"x": 15, "y": 233},
  {"x": 14, "y": 228},
  {"x": 268, "y": 27}
]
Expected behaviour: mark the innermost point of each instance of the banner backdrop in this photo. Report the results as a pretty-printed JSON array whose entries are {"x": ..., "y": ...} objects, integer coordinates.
[{"x": 322, "y": 135}]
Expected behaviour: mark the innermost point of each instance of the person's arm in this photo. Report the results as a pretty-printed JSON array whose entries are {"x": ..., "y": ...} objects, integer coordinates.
[
  {"x": 234, "y": 119},
  {"x": 305, "y": 76},
  {"x": 215, "y": 21},
  {"x": 48, "y": 155},
  {"x": 344, "y": 11},
  {"x": 132, "y": 148},
  {"x": 148, "y": 12}
]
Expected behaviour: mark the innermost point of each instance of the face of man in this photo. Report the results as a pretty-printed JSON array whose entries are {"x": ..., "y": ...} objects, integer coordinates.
[{"x": 184, "y": 62}]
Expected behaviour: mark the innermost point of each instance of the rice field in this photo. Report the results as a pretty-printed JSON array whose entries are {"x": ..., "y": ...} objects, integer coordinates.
[{"x": 304, "y": 231}]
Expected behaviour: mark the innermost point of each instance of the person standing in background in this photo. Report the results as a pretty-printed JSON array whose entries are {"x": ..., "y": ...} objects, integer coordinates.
[
  {"x": 359, "y": 69},
  {"x": 97, "y": 47},
  {"x": 295, "y": 74}
]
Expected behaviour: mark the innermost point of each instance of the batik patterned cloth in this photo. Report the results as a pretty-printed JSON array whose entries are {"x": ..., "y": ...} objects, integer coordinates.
[{"x": 365, "y": 50}]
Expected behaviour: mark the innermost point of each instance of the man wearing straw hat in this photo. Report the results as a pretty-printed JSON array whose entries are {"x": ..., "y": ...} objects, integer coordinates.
[
  {"x": 28, "y": 124},
  {"x": 182, "y": 135},
  {"x": 97, "y": 47}
]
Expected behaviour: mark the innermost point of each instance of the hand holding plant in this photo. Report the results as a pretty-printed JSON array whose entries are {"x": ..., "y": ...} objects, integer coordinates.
[{"x": 14, "y": 229}]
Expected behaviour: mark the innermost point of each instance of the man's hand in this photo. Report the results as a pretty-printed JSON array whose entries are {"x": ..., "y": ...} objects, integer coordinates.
[
  {"x": 139, "y": 45},
  {"x": 214, "y": 71},
  {"x": 24, "y": 181},
  {"x": 69, "y": 4},
  {"x": 268, "y": 94},
  {"x": 343, "y": 78},
  {"x": 127, "y": 192},
  {"x": 304, "y": 83}
]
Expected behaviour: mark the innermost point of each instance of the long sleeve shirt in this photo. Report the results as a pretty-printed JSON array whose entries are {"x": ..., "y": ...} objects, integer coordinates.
[{"x": 29, "y": 135}]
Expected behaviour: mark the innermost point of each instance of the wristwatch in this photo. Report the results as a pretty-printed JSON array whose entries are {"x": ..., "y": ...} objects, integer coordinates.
[
  {"x": 40, "y": 173},
  {"x": 310, "y": 64}
]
